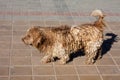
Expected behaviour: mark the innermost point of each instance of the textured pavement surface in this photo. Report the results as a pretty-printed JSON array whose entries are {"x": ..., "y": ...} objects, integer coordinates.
[{"x": 21, "y": 62}]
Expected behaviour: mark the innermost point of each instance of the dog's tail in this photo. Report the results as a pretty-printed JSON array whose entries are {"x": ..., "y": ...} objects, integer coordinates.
[{"x": 100, "y": 18}]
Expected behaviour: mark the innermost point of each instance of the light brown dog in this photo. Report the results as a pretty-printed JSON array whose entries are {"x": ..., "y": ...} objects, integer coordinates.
[{"x": 61, "y": 41}]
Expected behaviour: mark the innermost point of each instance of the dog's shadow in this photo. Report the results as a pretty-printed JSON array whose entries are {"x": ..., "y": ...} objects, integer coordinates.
[{"x": 106, "y": 46}]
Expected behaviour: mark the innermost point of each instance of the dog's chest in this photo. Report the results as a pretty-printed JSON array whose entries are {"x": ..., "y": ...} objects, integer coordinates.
[{"x": 58, "y": 49}]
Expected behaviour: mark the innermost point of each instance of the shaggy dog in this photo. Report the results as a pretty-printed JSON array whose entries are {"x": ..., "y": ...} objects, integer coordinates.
[{"x": 61, "y": 41}]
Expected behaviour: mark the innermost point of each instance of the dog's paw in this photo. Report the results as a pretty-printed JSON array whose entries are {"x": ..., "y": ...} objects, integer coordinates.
[
  {"x": 62, "y": 62},
  {"x": 45, "y": 60},
  {"x": 99, "y": 57},
  {"x": 90, "y": 62}
]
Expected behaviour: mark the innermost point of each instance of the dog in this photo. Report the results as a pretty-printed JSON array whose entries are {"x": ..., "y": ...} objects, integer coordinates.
[{"x": 63, "y": 40}]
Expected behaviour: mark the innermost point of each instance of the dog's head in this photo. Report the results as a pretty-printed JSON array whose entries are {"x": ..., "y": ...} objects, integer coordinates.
[{"x": 33, "y": 36}]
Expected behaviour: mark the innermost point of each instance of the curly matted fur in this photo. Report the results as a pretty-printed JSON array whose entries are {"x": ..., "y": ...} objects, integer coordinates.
[{"x": 61, "y": 41}]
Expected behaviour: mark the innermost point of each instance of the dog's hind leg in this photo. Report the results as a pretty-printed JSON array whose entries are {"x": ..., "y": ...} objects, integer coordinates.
[
  {"x": 91, "y": 51},
  {"x": 99, "y": 54},
  {"x": 90, "y": 58}
]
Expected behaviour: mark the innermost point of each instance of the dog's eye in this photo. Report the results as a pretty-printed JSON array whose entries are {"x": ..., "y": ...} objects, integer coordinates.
[{"x": 28, "y": 36}]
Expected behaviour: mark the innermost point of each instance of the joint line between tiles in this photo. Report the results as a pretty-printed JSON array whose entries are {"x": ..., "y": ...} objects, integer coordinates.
[
  {"x": 99, "y": 72},
  {"x": 10, "y": 64},
  {"x": 115, "y": 63},
  {"x": 76, "y": 70},
  {"x": 54, "y": 71},
  {"x": 31, "y": 57}
]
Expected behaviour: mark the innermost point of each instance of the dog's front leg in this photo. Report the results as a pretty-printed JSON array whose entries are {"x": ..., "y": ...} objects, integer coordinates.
[
  {"x": 64, "y": 59},
  {"x": 92, "y": 50},
  {"x": 46, "y": 59}
]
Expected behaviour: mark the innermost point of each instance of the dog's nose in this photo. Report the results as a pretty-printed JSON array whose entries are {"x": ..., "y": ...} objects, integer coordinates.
[{"x": 23, "y": 39}]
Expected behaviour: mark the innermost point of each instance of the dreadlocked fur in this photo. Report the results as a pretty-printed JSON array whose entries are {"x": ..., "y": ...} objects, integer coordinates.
[{"x": 61, "y": 41}]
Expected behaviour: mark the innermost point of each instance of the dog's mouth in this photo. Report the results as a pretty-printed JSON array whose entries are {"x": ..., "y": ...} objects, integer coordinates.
[
  {"x": 31, "y": 44},
  {"x": 22, "y": 39},
  {"x": 26, "y": 42}
]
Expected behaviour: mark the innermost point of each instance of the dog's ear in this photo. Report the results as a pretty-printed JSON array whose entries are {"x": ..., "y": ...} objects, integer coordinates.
[
  {"x": 40, "y": 39},
  {"x": 37, "y": 41}
]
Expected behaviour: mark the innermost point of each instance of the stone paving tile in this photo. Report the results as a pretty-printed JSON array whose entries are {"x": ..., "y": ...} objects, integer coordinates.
[
  {"x": 21, "y": 62},
  {"x": 21, "y": 78},
  {"x": 20, "y": 22},
  {"x": 117, "y": 60},
  {"x": 44, "y": 78},
  {"x": 108, "y": 70},
  {"x": 73, "y": 77},
  {"x": 65, "y": 70},
  {"x": 111, "y": 77},
  {"x": 4, "y": 71},
  {"x": 36, "y": 23},
  {"x": 43, "y": 70},
  {"x": 87, "y": 70},
  {"x": 105, "y": 61},
  {"x": 21, "y": 27},
  {"x": 90, "y": 78},
  {"x": 17, "y": 39},
  {"x": 18, "y": 33},
  {"x": 115, "y": 53},
  {"x": 4, "y": 52},
  {"x": 67, "y": 22},
  {"x": 55, "y": 23},
  {"x": 36, "y": 53},
  {"x": 5, "y": 33},
  {"x": 117, "y": 46},
  {"x": 21, "y": 71},
  {"x": 7, "y": 39},
  {"x": 5, "y": 45},
  {"x": 20, "y": 46},
  {"x": 20, "y": 53},
  {"x": 5, "y": 27},
  {"x": 4, "y": 61},
  {"x": 4, "y": 78},
  {"x": 5, "y": 22}
]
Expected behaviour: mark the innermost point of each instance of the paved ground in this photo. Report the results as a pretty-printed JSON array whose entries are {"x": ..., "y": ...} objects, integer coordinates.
[{"x": 20, "y": 62}]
